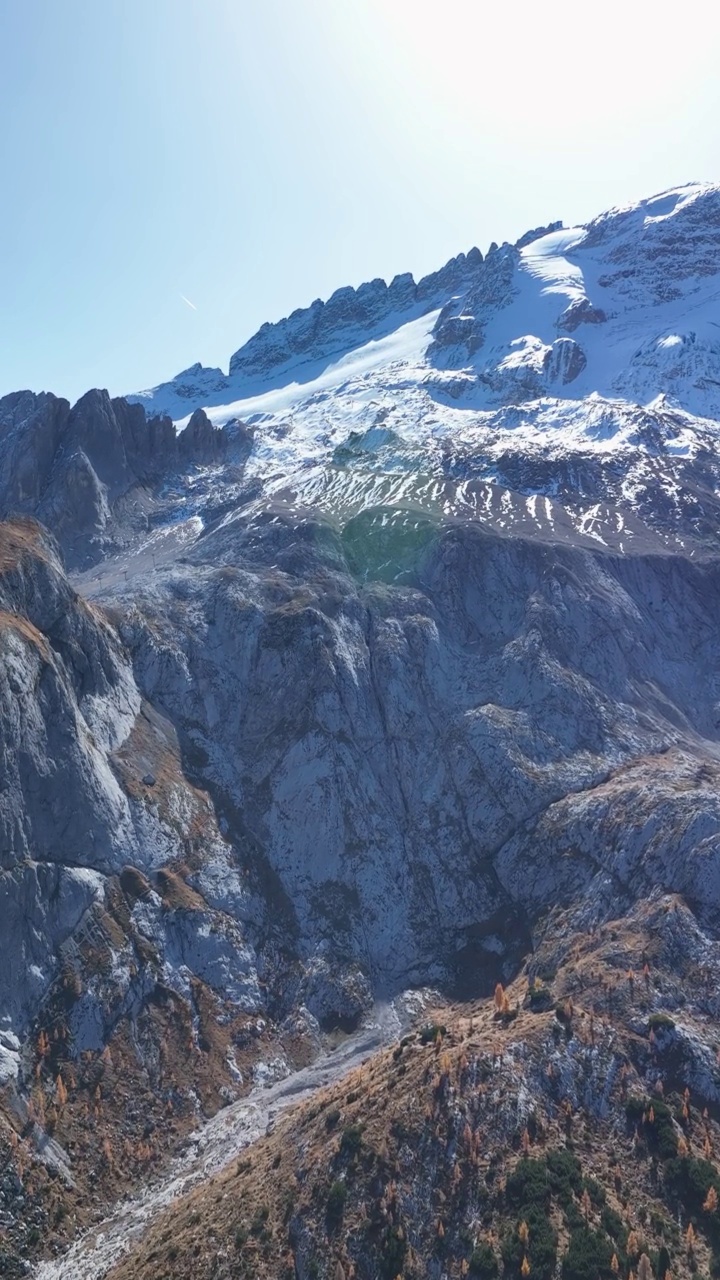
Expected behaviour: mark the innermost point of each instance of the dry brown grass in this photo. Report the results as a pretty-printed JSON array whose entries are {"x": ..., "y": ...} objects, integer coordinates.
[
  {"x": 267, "y": 1216},
  {"x": 20, "y": 538},
  {"x": 435, "y": 1121},
  {"x": 22, "y": 627},
  {"x": 176, "y": 894},
  {"x": 152, "y": 749},
  {"x": 128, "y": 1109}
]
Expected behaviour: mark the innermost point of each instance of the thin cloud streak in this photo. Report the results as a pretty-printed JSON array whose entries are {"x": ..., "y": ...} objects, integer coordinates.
[{"x": 190, "y": 304}]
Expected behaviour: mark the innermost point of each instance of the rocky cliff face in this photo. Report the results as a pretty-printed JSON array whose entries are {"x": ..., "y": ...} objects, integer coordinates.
[
  {"x": 91, "y": 473},
  {"x": 327, "y": 328},
  {"x": 399, "y": 640},
  {"x": 427, "y": 734}
]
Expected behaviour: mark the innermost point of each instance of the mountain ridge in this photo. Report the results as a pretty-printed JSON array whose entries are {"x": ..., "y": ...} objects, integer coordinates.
[{"x": 273, "y": 343}]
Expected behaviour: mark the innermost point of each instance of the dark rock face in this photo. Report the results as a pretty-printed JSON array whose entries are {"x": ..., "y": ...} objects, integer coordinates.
[
  {"x": 667, "y": 250},
  {"x": 439, "y": 740},
  {"x": 67, "y": 694},
  {"x": 76, "y": 806},
  {"x": 582, "y": 312},
  {"x": 201, "y": 441},
  {"x": 31, "y": 429},
  {"x": 460, "y": 328},
  {"x": 564, "y": 362},
  {"x": 88, "y": 472},
  {"x": 326, "y": 328}
]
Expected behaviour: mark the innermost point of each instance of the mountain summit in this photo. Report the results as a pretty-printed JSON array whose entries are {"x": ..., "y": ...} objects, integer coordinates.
[
  {"x": 622, "y": 307},
  {"x": 559, "y": 368}
]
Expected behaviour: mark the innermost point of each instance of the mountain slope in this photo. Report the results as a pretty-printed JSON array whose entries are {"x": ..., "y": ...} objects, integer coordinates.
[
  {"x": 567, "y": 384},
  {"x": 602, "y": 294},
  {"x": 398, "y": 642},
  {"x": 545, "y": 1140}
]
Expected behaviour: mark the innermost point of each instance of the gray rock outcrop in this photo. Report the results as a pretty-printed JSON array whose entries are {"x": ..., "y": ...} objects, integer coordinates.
[
  {"x": 328, "y": 328},
  {"x": 397, "y": 755},
  {"x": 91, "y": 473}
]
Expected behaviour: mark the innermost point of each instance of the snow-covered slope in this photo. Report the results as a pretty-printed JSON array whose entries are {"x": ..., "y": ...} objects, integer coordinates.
[
  {"x": 592, "y": 350},
  {"x": 637, "y": 291}
]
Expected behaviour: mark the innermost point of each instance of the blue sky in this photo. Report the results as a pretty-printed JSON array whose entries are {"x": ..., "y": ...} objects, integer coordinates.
[{"x": 253, "y": 156}]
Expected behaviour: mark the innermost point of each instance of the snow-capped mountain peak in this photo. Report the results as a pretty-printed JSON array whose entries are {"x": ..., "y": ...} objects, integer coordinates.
[
  {"x": 576, "y": 350},
  {"x": 631, "y": 299}
]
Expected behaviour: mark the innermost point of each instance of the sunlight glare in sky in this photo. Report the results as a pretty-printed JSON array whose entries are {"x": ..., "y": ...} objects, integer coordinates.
[{"x": 253, "y": 157}]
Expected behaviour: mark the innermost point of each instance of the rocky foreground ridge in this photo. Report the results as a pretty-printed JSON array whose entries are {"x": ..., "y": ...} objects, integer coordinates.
[
  {"x": 346, "y": 682},
  {"x": 572, "y": 1130},
  {"x": 569, "y": 1126}
]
